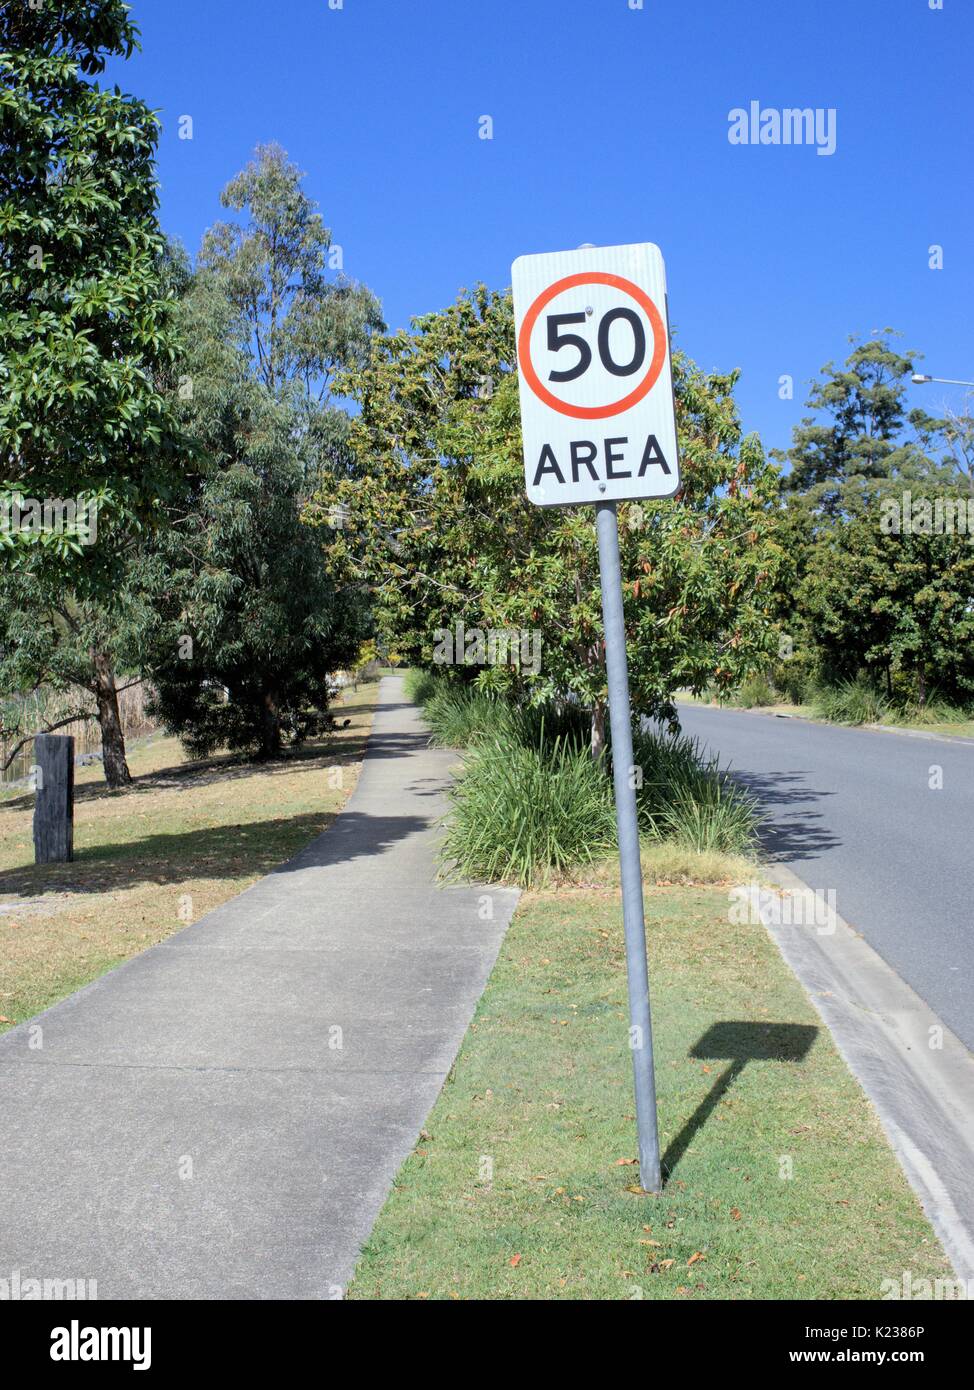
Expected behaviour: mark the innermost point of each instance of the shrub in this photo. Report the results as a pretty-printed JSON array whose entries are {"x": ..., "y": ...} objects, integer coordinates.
[
  {"x": 851, "y": 702},
  {"x": 756, "y": 691},
  {"x": 688, "y": 797},
  {"x": 520, "y": 812}
]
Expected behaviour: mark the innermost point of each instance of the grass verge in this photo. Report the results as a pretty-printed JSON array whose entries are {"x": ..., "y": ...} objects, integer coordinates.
[
  {"x": 185, "y": 837},
  {"x": 852, "y": 704},
  {"x": 523, "y": 1185}
]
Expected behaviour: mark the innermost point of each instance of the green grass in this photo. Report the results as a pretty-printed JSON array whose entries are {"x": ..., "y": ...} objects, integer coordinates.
[
  {"x": 519, "y": 813},
  {"x": 516, "y": 1191}
]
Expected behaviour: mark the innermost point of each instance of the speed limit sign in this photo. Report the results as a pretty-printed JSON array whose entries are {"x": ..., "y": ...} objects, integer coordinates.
[
  {"x": 597, "y": 417},
  {"x": 594, "y": 370}
]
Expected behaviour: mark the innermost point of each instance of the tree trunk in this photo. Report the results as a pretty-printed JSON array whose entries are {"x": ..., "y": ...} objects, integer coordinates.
[
  {"x": 270, "y": 728},
  {"x": 598, "y": 731},
  {"x": 112, "y": 738}
]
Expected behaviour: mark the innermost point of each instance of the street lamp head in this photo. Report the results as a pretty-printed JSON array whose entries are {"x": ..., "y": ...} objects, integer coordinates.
[{"x": 919, "y": 378}]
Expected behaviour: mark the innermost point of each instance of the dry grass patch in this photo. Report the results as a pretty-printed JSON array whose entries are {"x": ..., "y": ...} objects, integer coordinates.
[{"x": 185, "y": 837}]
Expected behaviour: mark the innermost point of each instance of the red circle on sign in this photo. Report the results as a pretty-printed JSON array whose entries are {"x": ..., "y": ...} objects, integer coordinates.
[{"x": 592, "y": 412}]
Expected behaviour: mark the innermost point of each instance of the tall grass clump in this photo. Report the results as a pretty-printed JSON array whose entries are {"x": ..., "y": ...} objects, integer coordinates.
[
  {"x": 420, "y": 686},
  {"x": 933, "y": 711},
  {"x": 531, "y": 802},
  {"x": 458, "y": 715},
  {"x": 756, "y": 691},
  {"x": 851, "y": 702},
  {"x": 520, "y": 813},
  {"x": 687, "y": 797}
]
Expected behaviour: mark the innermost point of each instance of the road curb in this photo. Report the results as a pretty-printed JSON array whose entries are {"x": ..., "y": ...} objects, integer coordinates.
[
  {"x": 923, "y": 1094},
  {"x": 928, "y": 734}
]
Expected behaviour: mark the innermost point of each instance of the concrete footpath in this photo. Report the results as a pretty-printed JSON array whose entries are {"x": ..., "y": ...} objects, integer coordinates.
[{"x": 222, "y": 1116}]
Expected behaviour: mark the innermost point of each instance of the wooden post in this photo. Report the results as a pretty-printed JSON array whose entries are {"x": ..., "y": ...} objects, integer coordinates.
[{"x": 54, "y": 801}]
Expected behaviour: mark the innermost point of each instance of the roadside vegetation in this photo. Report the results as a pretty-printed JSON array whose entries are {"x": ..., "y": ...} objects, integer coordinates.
[
  {"x": 524, "y": 1184},
  {"x": 852, "y": 702},
  {"x": 532, "y": 802},
  {"x": 255, "y": 537}
]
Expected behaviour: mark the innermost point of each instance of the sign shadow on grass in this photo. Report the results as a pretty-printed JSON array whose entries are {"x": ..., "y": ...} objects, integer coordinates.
[{"x": 738, "y": 1043}]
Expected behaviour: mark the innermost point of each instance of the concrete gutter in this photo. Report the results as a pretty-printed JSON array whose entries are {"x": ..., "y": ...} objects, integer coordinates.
[{"x": 917, "y": 1074}]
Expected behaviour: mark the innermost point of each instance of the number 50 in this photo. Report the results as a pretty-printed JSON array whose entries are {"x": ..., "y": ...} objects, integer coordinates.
[{"x": 557, "y": 340}]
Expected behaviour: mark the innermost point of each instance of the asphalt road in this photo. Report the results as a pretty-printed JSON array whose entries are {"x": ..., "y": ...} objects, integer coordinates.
[{"x": 853, "y": 810}]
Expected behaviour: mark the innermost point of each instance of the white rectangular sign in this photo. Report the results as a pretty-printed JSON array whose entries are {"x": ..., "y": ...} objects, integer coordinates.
[{"x": 594, "y": 372}]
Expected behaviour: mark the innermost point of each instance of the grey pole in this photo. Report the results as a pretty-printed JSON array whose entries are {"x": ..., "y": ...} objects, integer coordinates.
[{"x": 620, "y": 717}]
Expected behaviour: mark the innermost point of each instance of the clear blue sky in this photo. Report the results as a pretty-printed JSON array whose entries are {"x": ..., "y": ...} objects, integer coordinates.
[{"x": 610, "y": 125}]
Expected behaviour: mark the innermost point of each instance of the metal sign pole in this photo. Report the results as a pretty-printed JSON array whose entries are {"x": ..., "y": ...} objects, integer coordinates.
[{"x": 620, "y": 718}]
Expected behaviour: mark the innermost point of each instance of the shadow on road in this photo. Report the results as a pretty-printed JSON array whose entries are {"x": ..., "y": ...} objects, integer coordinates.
[{"x": 789, "y": 830}]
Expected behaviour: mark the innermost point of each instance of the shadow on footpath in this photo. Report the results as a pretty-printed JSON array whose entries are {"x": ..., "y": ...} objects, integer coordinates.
[{"x": 252, "y": 848}]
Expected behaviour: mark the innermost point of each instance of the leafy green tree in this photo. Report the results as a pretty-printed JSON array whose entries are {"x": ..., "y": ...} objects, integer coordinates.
[
  {"x": 895, "y": 605},
  {"x": 864, "y": 436},
  {"x": 849, "y": 612},
  {"x": 439, "y": 522},
  {"x": 52, "y": 639},
  {"x": 244, "y": 614},
  {"x": 281, "y": 270},
  {"x": 86, "y": 332}
]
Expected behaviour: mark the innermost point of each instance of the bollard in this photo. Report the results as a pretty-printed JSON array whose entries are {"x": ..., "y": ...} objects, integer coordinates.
[{"x": 54, "y": 802}]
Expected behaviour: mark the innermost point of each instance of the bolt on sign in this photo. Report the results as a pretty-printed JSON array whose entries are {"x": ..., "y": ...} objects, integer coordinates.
[{"x": 596, "y": 384}]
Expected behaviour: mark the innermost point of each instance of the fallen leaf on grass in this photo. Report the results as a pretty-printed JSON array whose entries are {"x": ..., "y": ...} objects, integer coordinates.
[
  {"x": 697, "y": 1255},
  {"x": 735, "y": 1213},
  {"x": 514, "y": 1261},
  {"x": 624, "y": 1162}
]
